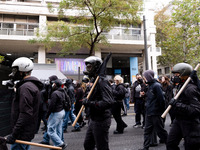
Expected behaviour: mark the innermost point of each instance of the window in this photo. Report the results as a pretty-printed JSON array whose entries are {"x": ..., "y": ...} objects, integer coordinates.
[
  {"x": 21, "y": 26},
  {"x": 8, "y": 25},
  {"x": 167, "y": 70},
  {"x": 159, "y": 71}
]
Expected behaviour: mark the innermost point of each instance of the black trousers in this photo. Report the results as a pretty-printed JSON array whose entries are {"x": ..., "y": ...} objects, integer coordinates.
[
  {"x": 139, "y": 110},
  {"x": 154, "y": 123},
  {"x": 182, "y": 129},
  {"x": 97, "y": 135},
  {"x": 116, "y": 112}
]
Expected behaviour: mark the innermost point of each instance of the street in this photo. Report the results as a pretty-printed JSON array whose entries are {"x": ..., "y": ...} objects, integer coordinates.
[{"x": 132, "y": 139}]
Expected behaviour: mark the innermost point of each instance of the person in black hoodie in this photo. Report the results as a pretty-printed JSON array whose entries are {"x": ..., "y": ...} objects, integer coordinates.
[
  {"x": 155, "y": 106},
  {"x": 99, "y": 105},
  {"x": 186, "y": 124},
  {"x": 55, "y": 114},
  {"x": 25, "y": 106},
  {"x": 118, "y": 94}
]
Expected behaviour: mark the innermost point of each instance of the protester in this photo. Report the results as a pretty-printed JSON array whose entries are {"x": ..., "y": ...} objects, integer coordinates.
[
  {"x": 99, "y": 104},
  {"x": 168, "y": 93},
  {"x": 55, "y": 114},
  {"x": 118, "y": 94},
  {"x": 52, "y": 78},
  {"x": 79, "y": 94},
  {"x": 25, "y": 106},
  {"x": 187, "y": 111},
  {"x": 139, "y": 100},
  {"x": 126, "y": 99},
  {"x": 155, "y": 106},
  {"x": 70, "y": 114}
]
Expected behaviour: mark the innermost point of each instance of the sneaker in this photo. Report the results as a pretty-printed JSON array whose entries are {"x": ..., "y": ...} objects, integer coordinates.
[
  {"x": 76, "y": 130},
  {"x": 43, "y": 142},
  {"x": 137, "y": 126},
  {"x": 64, "y": 146}
]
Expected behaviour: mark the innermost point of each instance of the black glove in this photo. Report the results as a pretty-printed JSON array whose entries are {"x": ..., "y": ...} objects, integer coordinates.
[
  {"x": 86, "y": 102},
  {"x": 172, "y": 102},
  {"x": 10, "y": 139}
]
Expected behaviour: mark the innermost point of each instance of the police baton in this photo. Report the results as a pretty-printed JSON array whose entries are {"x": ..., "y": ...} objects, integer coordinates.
[
  {"x": 88, "y": 96},
  {"x": 179, "y": 92}
]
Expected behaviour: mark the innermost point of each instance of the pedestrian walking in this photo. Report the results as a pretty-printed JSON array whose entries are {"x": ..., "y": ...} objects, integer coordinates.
[
  {"x": 187, "y": 111},
  {"x": 99, "y": 106},
  {"x": 155, "y": 106},
  {"x": 118, "y": 94},
  {"x": 25, "y": 106}
]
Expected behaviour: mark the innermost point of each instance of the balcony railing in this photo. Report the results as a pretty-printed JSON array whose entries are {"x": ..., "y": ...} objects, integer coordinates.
[
  {"x": 123, "y": 36},
  {"x": 31, "y": 32},
  {"x": 20, "y": 32}
]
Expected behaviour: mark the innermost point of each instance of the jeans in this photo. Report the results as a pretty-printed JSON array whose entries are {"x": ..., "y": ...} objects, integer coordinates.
[
  {"x": 17, "y": 146},
  {"x": 69, "y": 114},
  {"x": 126, "y": 101},
  {"x": 46, "y": 137},
  {"x": 54, "y": 127}
]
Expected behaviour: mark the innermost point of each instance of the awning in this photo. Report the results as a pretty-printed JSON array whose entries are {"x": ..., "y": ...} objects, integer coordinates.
[{"x": 44, "y": 71}]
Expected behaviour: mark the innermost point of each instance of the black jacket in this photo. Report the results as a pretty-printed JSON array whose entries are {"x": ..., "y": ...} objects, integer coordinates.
[
  {"x": 136, "y": 92},
  {"x": 119, "y": 92},
  {"x": 56, "y": 103},
  {"x": 188, "y": 105},
  {"x": 103, "y": 100},
  {"x": 70, "y": 90},
  {"x": 155, "y": 102},
  {"x": 25, "y": 108}
]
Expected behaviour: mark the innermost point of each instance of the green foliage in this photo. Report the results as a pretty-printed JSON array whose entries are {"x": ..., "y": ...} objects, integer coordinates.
[
  {"x": 86, "y": 27},
  {"x": 181, "y": 33}
]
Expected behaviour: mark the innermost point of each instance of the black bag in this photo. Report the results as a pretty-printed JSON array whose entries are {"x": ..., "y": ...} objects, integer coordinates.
[{"x": 67, "y": 101}]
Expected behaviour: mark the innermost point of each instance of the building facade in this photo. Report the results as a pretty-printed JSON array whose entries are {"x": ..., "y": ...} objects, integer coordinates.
[{"x": 19, "y": 20}]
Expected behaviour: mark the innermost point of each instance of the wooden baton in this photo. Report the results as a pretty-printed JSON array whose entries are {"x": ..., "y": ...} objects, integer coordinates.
[
  {"x": 37, "y": 144},
  {"x": 179, "y": 92}
]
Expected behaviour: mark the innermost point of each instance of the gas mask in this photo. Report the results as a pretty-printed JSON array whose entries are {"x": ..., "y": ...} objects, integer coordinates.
[{"x": 176, "y": 79}]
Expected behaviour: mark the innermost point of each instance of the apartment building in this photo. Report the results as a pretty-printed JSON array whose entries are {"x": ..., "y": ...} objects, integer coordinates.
[{"x": 19, "y": 20}]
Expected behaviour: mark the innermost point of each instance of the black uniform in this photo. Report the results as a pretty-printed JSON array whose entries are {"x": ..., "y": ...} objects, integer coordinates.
[
  {"x": 119, "y": 94},
  {"x": 100, "y": 116},
  {"x": 187, "y": 122}
]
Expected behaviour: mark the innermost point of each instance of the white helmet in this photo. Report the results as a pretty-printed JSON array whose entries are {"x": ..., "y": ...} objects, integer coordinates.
[{"x": 24, "y": 64}]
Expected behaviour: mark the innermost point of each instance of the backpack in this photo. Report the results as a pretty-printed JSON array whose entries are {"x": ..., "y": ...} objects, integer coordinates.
[{"x": 67, "y": 101}]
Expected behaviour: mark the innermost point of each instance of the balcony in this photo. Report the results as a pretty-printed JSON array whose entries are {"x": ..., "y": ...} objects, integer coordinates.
[{"x": 20, "y": 32}]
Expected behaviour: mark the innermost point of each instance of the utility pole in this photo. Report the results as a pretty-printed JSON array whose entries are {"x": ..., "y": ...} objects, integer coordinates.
[{"x": 145, "y": 45}]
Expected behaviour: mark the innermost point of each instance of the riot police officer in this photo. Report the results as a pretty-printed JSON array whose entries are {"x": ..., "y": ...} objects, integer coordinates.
[
  {"x": 99, "y": 105},
  {"x": 187, "y": 111}
]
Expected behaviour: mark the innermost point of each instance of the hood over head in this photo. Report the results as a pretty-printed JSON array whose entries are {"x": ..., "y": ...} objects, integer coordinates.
[{"x": 149, "y": 75}]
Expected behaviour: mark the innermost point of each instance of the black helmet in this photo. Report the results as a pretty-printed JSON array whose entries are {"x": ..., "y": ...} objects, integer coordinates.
[
  {"x": 92, "y": 65},
  {"x": 183, "y": 69}
]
